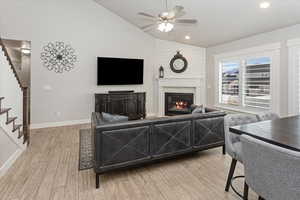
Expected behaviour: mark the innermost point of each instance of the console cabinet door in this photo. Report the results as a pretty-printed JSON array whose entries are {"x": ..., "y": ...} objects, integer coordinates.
[
  {"x": 131, "y": 105},
  {"x": 171, "y": 138},
  {"x": 208, "y": 132},
  {"x": 125, "y": 145}
]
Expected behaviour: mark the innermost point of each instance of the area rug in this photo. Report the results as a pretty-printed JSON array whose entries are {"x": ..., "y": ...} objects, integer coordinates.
[{"x": 85, "y": 149}]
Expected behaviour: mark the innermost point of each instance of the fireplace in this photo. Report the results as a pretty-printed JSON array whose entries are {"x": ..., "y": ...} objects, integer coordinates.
[{"x": 178, "y": 103}]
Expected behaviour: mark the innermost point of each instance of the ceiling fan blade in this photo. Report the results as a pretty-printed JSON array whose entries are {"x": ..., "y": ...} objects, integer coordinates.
[
  {"x": 176, "y": 12},
  {"x": 186, "y": 21},
  {"x": 147, "y": 15},
  {"x": 147, "y": 27}
]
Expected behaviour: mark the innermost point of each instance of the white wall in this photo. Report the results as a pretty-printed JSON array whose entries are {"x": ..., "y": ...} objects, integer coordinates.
[
  {"x": 92, "y": 31},
  {"x": 281, "y": 35},
  {"x": 165, "y": 51},
  {"x": 8, "y": 150},
  {"x": 196, "y": 57}
]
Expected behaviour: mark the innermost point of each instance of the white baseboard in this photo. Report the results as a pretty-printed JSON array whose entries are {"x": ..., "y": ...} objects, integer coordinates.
[
  {"x": 10, "y": 161},
  {"x": 58, "y": 124},
  {"x": 151, "y": 114}
]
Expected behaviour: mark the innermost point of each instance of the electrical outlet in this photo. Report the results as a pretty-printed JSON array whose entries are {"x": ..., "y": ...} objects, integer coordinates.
[
  {"x": 58, "y": 114},
  {"x": 47, "y": 88}
]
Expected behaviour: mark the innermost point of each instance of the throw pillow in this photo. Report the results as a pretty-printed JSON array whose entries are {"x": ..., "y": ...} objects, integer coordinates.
[
  {"x": 193, "y": 106},
  {"x": 114, "y": 118},
  {"x": 199, "y": 109}
]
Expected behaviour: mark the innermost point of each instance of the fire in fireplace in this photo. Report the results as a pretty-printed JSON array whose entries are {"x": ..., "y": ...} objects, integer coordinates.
[{"x": 178, "y": 103}]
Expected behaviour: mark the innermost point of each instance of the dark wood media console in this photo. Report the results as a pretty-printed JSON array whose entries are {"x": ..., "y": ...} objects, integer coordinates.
[{"x": 129, "y": 104}]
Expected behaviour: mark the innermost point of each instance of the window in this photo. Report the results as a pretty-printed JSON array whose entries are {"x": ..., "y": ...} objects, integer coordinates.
[
  {"x": 257, "y": 83},
  {"x": 246, "y": 82},
  {"x": 230, "y": 83}
]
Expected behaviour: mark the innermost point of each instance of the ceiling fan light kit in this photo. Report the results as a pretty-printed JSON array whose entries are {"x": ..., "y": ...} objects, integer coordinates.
[{"x": 165, "y": 27}]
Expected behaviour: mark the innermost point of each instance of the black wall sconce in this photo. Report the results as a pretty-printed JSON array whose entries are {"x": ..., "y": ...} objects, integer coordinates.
[{"x": 161, "y": 72}]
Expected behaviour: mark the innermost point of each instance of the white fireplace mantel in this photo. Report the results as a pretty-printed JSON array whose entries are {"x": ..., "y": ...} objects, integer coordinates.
[{"x": 193, "y": 85}]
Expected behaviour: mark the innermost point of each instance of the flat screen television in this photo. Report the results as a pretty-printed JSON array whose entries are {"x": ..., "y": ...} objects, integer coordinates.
[{"x": 120, "y": 71}]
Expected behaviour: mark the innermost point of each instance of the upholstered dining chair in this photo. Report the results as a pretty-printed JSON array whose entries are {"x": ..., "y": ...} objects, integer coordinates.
[
  {"x": 232, "y": 141},
  {"x": 267, "y": 116},
  {"x": 271, "y": 171}
]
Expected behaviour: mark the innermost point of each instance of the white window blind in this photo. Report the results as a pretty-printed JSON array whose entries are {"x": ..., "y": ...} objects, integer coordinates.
[
  {"x": 246, "y": 83},
  {"x": 257, "y": 83}
]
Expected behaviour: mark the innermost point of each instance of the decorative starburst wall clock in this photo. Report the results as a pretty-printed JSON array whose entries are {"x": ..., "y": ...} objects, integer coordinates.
[{"x": 58, "y": 57}]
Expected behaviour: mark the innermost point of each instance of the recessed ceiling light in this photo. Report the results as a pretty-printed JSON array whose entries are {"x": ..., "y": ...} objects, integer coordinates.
[
  {"x": 265, "y": 4},
  {"x": 187, "y": 37}
]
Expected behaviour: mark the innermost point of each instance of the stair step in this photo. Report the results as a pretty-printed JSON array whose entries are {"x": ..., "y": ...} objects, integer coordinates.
[
  {"x": 4, "y": 110},
  {"x": 10, "y": 120},
  {"x": 20, "y": 134},
  {"x": 17, "y": 127}
]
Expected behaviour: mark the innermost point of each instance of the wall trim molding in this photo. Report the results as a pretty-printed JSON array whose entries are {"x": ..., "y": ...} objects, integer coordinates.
[
  {"x": 10, "y": 161},
  {"x": 293, "y": 79},
  {"x": 58, "y": 124}
]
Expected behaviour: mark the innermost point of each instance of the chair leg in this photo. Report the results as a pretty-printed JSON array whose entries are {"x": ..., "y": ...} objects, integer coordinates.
[
  {"x": 230, "y": 174},
  {"x": 97, "y": 180},
  {"x": 246, "y": 191},
  {"x": 224, "y": 149}
]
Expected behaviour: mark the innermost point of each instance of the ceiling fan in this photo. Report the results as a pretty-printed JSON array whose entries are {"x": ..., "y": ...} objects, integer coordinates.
[{"x": 166, "y": 20}]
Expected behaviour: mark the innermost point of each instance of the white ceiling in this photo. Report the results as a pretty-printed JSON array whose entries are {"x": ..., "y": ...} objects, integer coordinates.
[{"x": 219, "y": 21}]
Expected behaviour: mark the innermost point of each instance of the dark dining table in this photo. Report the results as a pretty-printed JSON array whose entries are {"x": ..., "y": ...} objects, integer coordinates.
[{"x": 284, "y": 132}]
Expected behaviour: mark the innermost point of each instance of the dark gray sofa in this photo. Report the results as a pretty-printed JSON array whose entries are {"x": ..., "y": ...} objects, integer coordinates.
[{"x": 133, "y": 143}]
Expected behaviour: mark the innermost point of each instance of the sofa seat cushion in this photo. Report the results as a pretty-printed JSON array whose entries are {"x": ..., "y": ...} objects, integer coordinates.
[{"x": 112, "y": 118}]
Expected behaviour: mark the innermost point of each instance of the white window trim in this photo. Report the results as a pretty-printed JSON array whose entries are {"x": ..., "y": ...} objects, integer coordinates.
[
  {"x": 293, "y": 76},
  {"x": 270, "y": 50}
]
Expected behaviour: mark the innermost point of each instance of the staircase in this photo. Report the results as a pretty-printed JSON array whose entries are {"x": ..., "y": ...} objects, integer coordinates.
[
  {"x": 13, "y": 101},
  {"x": 11, "y": 120}
]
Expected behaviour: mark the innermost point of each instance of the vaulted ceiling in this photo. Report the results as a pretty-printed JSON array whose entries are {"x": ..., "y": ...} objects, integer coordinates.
[{"x": 219, "y": 21}]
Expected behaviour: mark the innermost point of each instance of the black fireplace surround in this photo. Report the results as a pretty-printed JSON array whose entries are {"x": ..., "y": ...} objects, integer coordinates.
[{"x": 178, "y": 103}]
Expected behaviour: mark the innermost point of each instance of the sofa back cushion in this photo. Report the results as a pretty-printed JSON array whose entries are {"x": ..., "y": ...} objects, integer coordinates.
[{"x": 111, "y": 118}]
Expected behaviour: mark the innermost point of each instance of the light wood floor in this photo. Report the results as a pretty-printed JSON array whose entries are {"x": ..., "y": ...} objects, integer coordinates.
[{"x": 49, "y": 170}]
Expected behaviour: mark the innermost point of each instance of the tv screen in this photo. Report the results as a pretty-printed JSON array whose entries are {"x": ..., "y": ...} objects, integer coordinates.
[{"x": 120, "y": 71}]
